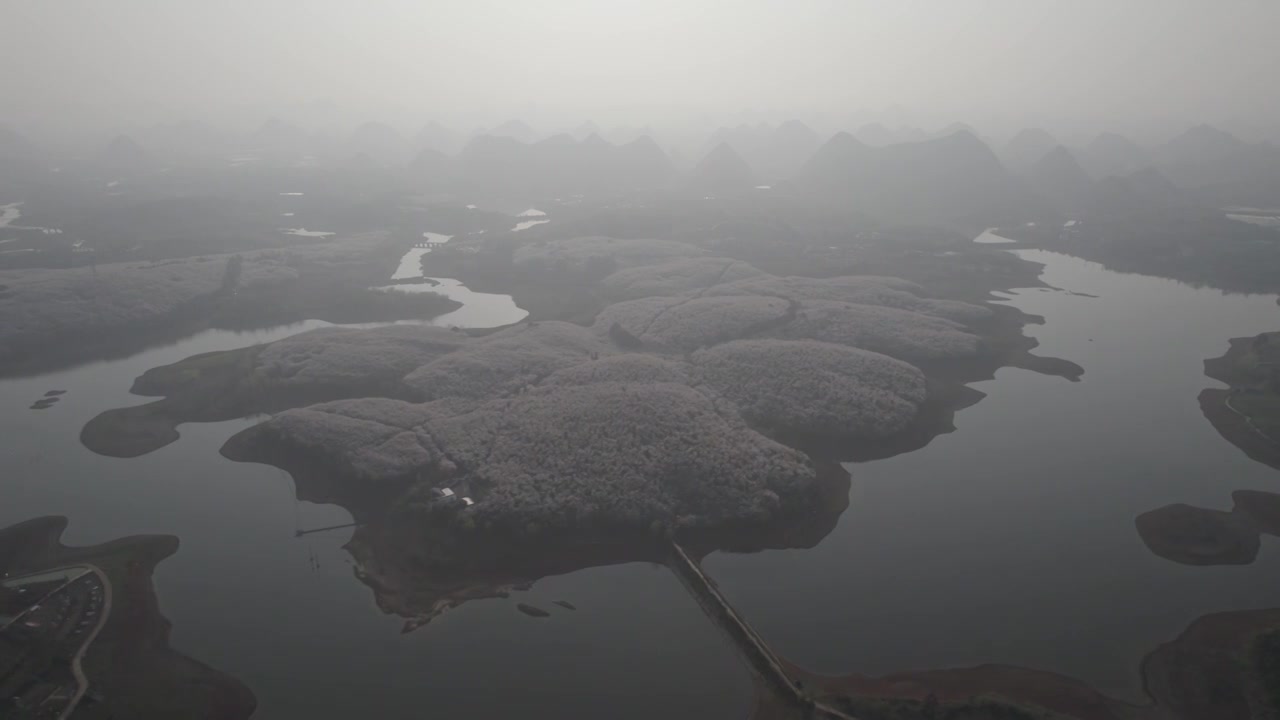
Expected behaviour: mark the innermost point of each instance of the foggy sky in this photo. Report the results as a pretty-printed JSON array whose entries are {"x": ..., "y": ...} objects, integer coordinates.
[{"x": 1077, "y": 66}]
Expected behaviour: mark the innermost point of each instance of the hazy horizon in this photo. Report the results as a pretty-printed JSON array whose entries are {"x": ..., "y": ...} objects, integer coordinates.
[{"x": 1146, "y": 68}]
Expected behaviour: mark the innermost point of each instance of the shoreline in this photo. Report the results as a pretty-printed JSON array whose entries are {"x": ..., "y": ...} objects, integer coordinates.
[
  {"x": 1207, "y": 668},
  {"x": 1248, "y": 369},
  {"x": 1003, "y": 344},
  {"x": 129, "y": 659},
  {"x": 238, "y": 292},
  {"x": 1236, "y": 428}
]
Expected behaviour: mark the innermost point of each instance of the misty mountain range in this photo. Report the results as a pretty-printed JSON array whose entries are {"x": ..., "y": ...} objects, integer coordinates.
[{"x": 949, "y": 177}]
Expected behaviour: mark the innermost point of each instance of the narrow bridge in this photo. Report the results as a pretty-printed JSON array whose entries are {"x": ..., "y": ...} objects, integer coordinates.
[
  {"x": 757, "y": 651},
  {"x": 300, "y": 532},
  {"x": 429, "y": 243}
]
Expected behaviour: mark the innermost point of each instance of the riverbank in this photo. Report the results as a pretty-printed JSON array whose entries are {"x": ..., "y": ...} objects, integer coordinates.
[
  {"x": 1221, "y": 666},
  {"x": 318, "y": 367},
  {"x": 52, "y": 318},
  {"x": 1199, "y": 536},
  {"x": 937, "y": 523},
  {"x": 341, "y": 363},
  {"x": 1198, "y": 246},
  {"x": 982, "y": 461},
  {"x": 1248, "y": 413},
  {"x": 129, "y": 666}
]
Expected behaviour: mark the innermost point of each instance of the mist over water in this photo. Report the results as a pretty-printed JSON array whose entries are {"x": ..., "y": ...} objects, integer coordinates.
[
  {"x": 1073, "y": 68},
  {"x": 755, "y": 360}
]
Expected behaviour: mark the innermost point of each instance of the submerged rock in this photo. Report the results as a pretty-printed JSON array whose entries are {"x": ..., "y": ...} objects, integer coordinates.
[
  {"x": 1197, "y": 536},
  {"x": 532, "y": 611}
]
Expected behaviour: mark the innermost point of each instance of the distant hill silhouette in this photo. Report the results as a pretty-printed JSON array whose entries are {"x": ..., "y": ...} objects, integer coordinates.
[
  {"x": 1201, "y": 145},
  {"x": 953, "y": 128},
  {"x": 514, "y": 129},
  {"x": 279, "y": 141},
  {"x": 20, "y": 159},
  {"x": 646, "y": 162},
  {"x": 744, "y": 139},
  {"x": 123, "y": 155},
  {"x": 435, "y": 136},
  {"x": 1027, "y": 148},
  {"x": 627, "y": 133},
  {"x": 1221, "y": 169},
  {"x": 13, "y": 145},
  {"x": 789, "y": 147},
  {"x": 875, "y": 134},
  {"x": 1153, "y": 185},
  {"x": 1061, "y": 181},
  {"x": 1058, "y": 178},
  {"x": 1141, "y": 192},
  {"x": 1113, "y": 154},
  {"x": 951, "y": 180},
  {"x": 722, "y": 171},
  {"x": 431, "y": 162},
  {"x": 380, "y": 143},
  {"x": 771, "y": 152},
  {"x": 558, "y": 164},
  {"x": 585, "y": 130},
  {"x": 274, "y": 129},
  {"x": 495, "y": 161},
  {"x": 841, "y": 162},
  {"x": 184, "y": 138},
  {"x": 878, "y": 135}
]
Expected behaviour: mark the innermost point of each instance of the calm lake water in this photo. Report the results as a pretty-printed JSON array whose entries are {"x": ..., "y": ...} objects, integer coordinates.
[
  {"x": 243, "y": 597},
  {"x": 1010, "y": 540}
]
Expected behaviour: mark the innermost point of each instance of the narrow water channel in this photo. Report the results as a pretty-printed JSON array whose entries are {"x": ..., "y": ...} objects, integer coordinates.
[
  {"x": 1010, "y": 540},
  {"x": 244, "y": 598}
]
